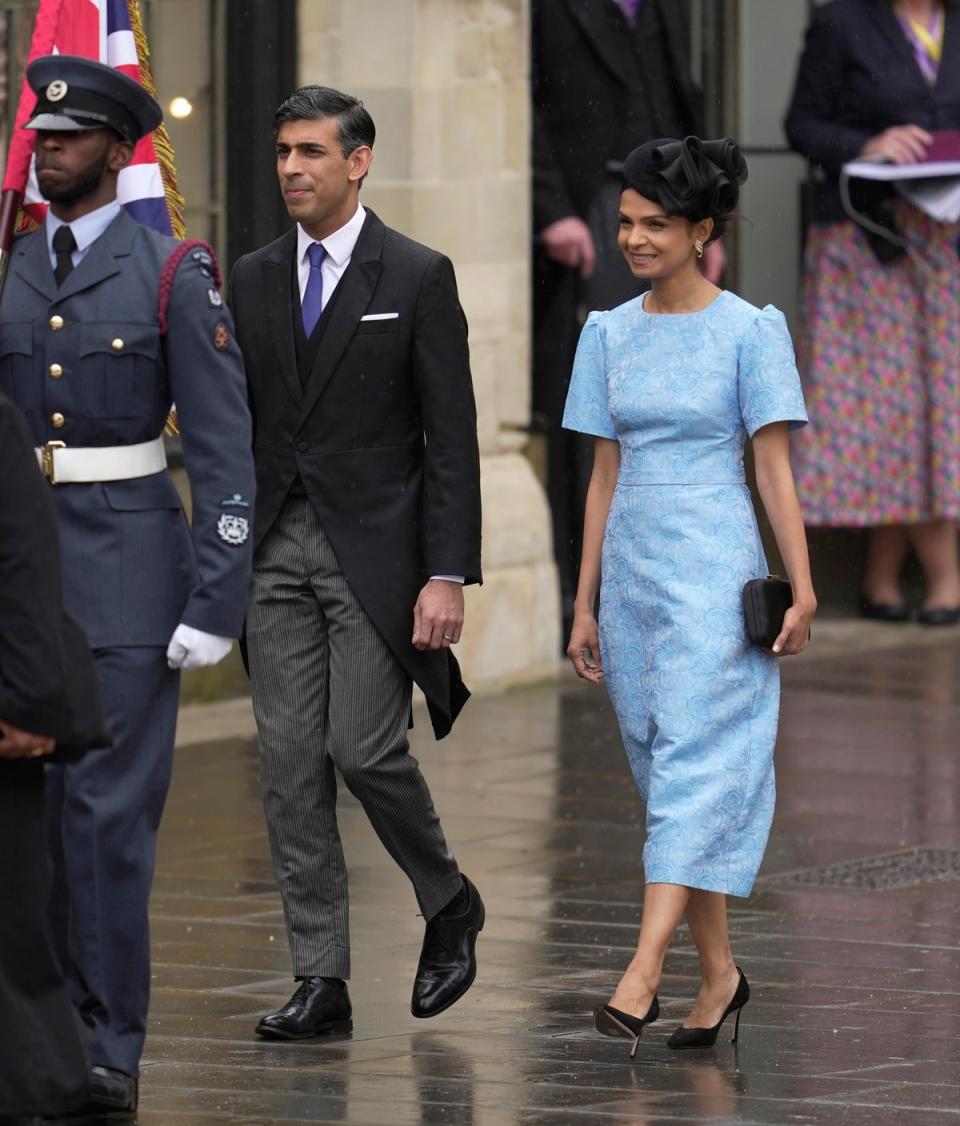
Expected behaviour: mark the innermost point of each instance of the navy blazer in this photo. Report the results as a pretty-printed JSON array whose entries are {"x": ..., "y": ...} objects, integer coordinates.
[
  {"x": 132, "y": 567},
  {"x": 858, "y": 76}
]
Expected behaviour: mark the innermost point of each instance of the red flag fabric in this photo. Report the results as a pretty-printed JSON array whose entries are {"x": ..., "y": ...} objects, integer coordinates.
[{"x": 110, "y": 31}]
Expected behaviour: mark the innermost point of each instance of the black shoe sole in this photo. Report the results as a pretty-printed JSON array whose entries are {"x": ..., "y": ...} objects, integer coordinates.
[
  {"x": 467, "y": 982},
  {"x": 323, "y": 1030},
  {"x": 690, "y": 1045}
]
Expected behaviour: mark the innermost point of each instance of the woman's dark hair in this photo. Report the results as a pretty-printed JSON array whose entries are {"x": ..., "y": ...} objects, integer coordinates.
[
  {"x": 310, "y": 103},
  {"x": 692, "y": 178}
]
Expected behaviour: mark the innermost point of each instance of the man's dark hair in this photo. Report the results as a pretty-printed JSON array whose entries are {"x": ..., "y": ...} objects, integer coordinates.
[{"x": 311, "y": 103}]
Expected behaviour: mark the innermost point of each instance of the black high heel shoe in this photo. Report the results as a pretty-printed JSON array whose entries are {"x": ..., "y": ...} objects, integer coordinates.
[
  {"x": 612, "y": 1022},
  {"x": 707, "y": 1037}
]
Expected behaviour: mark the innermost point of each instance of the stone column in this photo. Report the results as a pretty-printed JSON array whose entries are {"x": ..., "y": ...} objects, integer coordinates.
[{"x": 446, "y": 83}]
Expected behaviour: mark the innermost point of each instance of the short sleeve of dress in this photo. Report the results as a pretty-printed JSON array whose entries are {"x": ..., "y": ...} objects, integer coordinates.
[
  {"x": 586, "y": 408},
  {"x": 768, "y": 381}
]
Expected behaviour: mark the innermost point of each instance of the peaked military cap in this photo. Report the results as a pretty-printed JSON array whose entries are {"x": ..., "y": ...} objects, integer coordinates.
[{"x": 75, "y": 93}]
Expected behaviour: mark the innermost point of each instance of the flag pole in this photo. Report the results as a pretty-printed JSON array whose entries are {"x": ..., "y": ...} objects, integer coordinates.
[
  {"x": 10, "y": 202},
  {"x": 17, "y": 167}
]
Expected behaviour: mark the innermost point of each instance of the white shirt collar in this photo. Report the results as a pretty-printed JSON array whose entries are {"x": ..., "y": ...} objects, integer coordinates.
[
  {"x": 339, "y": 246},
  {"x": 87, "y": 229}
]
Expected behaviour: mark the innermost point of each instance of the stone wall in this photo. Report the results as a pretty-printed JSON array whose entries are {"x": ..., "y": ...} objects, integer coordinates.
[{"x": 446, "y": 83}]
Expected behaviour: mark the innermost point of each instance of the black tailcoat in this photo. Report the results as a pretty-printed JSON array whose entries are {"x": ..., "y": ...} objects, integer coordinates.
[{"x": 382, "y": 434}]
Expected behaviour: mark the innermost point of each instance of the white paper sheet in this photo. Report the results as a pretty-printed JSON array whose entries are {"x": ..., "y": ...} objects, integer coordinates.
[{"x": 886, "y": 170}]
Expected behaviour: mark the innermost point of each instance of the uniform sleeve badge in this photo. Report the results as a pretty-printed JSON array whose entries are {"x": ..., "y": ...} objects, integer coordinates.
[
  {"x": 233, "y": 529},
  {"x": 221, "y": 336}
]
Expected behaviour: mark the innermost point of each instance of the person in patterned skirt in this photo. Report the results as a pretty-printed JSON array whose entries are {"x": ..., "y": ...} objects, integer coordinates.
[{"x": 881, "y": 327}]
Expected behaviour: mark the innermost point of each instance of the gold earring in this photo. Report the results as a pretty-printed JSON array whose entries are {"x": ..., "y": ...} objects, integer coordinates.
[{"x": 698, "y": 246}]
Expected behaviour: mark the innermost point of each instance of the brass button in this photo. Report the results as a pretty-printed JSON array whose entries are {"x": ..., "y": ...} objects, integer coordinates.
[
  {"x": 57, "y": 420},
  {"x": 55, "y": 370},
  {"x": 56, "y": 322},
  {"x": 117, "y": 344}
]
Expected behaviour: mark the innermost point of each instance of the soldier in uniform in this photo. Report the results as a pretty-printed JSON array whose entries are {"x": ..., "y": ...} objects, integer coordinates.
[{"x": 97, "y": 341}]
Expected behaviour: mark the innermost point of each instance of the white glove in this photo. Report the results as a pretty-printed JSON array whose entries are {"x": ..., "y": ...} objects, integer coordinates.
[{"x": 191, "y": 648}]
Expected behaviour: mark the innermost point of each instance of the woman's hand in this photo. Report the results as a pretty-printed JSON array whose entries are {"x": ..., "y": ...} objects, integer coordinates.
[
  {"x": 584, "y": 647},
  {"x": 903, "y": 144},
  {"x": 795, "y": 633}
]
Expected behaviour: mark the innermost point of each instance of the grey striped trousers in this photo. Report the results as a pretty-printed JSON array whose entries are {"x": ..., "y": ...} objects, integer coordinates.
[{"x": 328, "y": 692}]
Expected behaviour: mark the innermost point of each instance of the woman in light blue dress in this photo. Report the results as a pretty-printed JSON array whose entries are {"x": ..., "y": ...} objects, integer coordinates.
[{"x": 670, "y": 385}]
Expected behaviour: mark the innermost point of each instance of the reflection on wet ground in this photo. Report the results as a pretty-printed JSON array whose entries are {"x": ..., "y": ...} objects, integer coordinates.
[{"x": 855, "y": 1016}]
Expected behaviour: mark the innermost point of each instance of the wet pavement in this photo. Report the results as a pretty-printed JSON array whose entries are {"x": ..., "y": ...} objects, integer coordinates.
[{"x": 851, "y": 941}]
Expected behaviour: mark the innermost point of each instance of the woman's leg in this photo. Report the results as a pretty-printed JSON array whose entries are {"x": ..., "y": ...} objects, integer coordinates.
[
  {"x": 886, "y": 554},
  {"x": 707, "y": 919},
  {"x": 935, "y": 544},
  {"x": 663, "y": 908}
]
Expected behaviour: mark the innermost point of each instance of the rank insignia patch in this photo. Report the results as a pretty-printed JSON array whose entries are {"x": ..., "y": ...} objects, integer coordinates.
[
  {"x": 221, "y": 336},
  {"x": 233, "y": 530}
]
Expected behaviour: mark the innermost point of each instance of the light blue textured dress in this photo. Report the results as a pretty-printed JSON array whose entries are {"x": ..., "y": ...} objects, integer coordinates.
[{"x": 697, "y": 703}]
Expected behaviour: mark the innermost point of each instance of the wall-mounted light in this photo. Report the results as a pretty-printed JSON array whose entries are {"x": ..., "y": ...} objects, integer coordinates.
[{"x": 181, "y": 107}]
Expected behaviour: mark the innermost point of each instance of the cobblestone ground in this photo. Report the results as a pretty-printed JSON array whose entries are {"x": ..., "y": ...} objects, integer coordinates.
[{"x": 851, "y": 940}]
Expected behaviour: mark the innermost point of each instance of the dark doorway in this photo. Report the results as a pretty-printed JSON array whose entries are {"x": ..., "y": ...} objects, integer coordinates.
[{"x": 260, "y": 70}]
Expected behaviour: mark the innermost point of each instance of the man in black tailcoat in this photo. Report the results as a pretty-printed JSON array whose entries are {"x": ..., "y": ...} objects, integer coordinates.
[{"x": 367, "y": 527}]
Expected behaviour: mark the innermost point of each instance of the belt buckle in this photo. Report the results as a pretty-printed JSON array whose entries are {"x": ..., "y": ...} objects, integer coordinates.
[{"x": 47, "y": 452}]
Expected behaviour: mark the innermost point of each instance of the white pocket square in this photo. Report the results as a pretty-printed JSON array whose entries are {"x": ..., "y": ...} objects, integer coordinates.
[{"x": 380, "y": 316}]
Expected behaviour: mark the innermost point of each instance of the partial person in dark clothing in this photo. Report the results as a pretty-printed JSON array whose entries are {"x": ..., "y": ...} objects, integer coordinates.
[
  {"x": 607, "y": 75},
  {"x": 881, "y": 327},
  {"x": 49, "y": 707}
]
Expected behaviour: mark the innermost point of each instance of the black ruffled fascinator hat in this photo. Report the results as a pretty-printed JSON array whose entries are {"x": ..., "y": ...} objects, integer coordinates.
[{"x": 692, "y": 178}]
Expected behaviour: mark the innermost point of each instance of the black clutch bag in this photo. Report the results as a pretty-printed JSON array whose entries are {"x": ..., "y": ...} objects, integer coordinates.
[{"x": 765, "y": 602}]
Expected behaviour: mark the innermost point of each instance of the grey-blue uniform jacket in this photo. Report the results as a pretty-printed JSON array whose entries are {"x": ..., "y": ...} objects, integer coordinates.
[{"x": 91, "y": 351}]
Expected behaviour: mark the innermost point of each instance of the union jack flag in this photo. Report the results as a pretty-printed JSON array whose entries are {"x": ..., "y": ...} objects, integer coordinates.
[{"x": 110, "y": 31}]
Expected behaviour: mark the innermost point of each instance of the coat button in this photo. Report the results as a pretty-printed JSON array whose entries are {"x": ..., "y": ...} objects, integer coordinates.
[
  {"x": 57, "y": 420},
  {"x": 117, "y": 344},
  {"x": 56, "y": 322},
  {"x": 55, "y": 370},
  {"x": 302, "y": 447}
]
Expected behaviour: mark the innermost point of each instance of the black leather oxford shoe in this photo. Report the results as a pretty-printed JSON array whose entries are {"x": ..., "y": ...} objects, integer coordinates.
[
  {"x": 113, "y": 1095},
  {"x": 448, "y": 960},
  {"x": 112, "y": 1090},
  {"x": 316, "y": 1006}
]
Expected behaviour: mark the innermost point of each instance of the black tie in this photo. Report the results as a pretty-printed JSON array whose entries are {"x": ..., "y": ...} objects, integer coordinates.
[{"x": 64, "y": 244}]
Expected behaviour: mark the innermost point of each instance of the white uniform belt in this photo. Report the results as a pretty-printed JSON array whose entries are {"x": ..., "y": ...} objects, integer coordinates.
[{"x": 82, "y": 465}]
